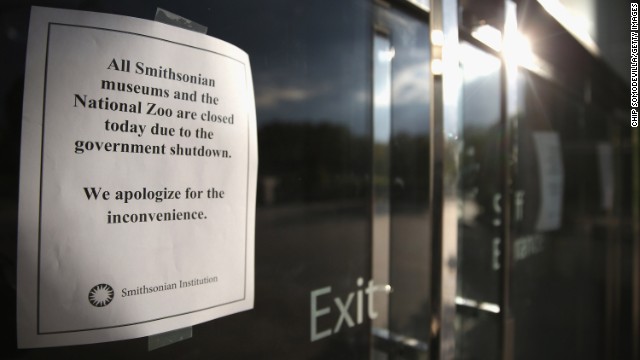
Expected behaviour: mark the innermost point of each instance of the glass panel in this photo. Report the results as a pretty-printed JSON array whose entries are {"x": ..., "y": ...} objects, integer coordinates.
[
  {"x": 479, "y": 229},
  {"x": 561, "y": 240},
  {"x": 410, "y": 231},
  {"x": 408, "y": 134}
]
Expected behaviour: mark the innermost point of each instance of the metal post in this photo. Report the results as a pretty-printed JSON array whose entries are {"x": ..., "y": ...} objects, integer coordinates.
[
  {"x": 509, "y": 111},
  {"x": 445, "y": 147}
]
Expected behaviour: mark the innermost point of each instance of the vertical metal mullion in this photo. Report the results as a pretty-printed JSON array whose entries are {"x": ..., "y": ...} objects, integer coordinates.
[
  {"x": 444, "y": 175},
  {"x": 509, "y": 120}
]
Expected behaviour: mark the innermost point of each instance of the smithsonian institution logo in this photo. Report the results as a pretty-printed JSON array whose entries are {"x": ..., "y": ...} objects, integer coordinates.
[{"x": 101, "y": 295}]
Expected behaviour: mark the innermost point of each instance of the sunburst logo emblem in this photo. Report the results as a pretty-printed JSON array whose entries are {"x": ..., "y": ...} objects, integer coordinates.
[{"x": 100, "y": 295}]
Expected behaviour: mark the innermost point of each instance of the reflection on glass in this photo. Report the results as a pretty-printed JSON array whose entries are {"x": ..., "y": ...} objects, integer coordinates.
[
  {"x": 488, "y": 35},
  {"x": 422, "y": 3},
  {"x": 409, "y": 251},
  {"x": 479, "y": 234},
  {"x": 383, "y": 54},
  {"x": 564, "y": 249},
  {"x": 401, "y": 78}
]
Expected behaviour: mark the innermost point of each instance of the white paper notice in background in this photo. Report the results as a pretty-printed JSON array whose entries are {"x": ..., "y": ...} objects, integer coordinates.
[
  {"x": 137, "y": 183},
  {"x": 551, "y": 180},
  {"x": 605, "y": 160}
]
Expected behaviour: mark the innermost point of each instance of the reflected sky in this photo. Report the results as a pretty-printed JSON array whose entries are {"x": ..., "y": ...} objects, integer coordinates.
[{"x": 481, "y": 91}]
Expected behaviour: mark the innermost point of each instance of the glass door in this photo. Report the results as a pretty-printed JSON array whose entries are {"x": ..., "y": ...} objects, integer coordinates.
[
  {"x": 480, "y": 222},
  {"x": 400, "y": 228}
]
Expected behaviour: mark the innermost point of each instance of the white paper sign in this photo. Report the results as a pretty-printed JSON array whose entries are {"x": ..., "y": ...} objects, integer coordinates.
[
  {"x": 551, "y": 180},
  {"x": 137, "y": 182}
]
